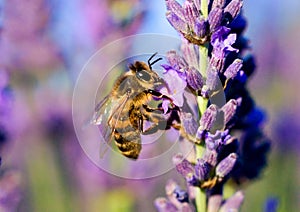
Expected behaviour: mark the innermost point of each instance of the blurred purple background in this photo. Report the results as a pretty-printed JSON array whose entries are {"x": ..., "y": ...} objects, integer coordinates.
[{"x": 44, "y": 45}]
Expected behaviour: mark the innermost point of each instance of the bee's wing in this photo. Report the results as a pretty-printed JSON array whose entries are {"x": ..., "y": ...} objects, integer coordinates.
[
  {"x": 103, "y": 116},
  {"x": 100, "y": 110}
]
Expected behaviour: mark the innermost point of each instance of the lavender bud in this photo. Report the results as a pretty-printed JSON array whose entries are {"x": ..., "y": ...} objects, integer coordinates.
[
  {"x": 170, "y": 187},
  {"x": 174, "y": 7},
  {"x": 205, "y": 91},
  {"x": 189, "y": 124},
  {"x": 190, "y": 54},
  {"x": 183, "y": 166},
  {"x": 212, "y": 79},
  {"x": 229, "y": 110},
  {"x": 192, "y": 180},
  {"x": 226, "y": 165},
  {"x": 214, "y": 203},
  {"x": 209, "y": 117},
  {"x": 214, "y": 18},
  {"x": 181, "y": 195},
  {"x": 194, "y": 79},
  {"x": 218, "y": 3},
  {"x": 201, "y": 28},
  {"x": 197, "y": 4},
  {"x": 224, "y": 133},
  {"x": 176, "y": 22},
  {"x": 163, "y": 205},
  {"x": 175, "y": 60},
  {"x": 185, "y": 207},
  {"x": 233, "y": 69},
  {"x": 210, "y": 156},
  {"x": 190, "y": 12},
  {"x": 229, "y": 140},
  {"x": 217, "y": 61},
  {"x": 202, "y": 169},
  {"x": 210, "y": 142},
  {"x": 200, "y": 135},
  {"x": 233, "y": 203},
  {"x": 234, "y": 8}
]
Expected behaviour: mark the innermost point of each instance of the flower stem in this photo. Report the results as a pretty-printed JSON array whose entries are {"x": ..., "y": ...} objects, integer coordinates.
[
  {"x": 202, "y": 104},
  {"x": 200, "y": 194}
]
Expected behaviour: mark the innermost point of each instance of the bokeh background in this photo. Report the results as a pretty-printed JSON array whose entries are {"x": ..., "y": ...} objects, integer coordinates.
[{"x": 43, "y": 46}]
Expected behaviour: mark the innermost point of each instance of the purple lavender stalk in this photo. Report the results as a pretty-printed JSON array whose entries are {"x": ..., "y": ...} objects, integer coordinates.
[{"x": 230, "y": 137}]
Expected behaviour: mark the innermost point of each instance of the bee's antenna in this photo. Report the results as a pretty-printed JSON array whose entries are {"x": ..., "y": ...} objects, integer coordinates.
[{"x": 155, "y": 61}]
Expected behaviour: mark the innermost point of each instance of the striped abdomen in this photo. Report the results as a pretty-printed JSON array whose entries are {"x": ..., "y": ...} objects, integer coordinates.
[{"x": 126, "y": 133}]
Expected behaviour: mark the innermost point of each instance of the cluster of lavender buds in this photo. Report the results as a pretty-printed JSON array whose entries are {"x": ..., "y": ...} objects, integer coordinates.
[{"x": 230, "y": 146}]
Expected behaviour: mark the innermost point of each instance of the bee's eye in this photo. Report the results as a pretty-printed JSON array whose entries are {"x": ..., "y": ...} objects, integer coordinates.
[{"x": 143, "y": 75}]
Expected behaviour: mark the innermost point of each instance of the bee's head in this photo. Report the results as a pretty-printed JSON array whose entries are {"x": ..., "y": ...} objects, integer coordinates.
[{"x": 145, "y": 75}]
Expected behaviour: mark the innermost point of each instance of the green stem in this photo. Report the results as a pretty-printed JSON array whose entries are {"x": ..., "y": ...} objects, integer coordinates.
[
  {"x": 200, "y": 194},
  {"x": 202, "y": 104}
]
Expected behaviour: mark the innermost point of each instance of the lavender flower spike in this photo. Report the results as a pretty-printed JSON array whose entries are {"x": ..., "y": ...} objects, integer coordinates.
[{"x": 212, "y": 62}]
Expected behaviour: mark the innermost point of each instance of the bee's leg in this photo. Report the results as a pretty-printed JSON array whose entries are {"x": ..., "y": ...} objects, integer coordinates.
[
  {"x": 158, "y": 94},
  {"x": 153, "y": 110},
  {"x": 152, "y": 129},
  {"x": 159, "y": 122},
  {"x": 141, "y": 124}
]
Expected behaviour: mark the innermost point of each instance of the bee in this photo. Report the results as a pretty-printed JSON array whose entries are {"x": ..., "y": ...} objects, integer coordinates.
[{"x": 126, "y": 108}]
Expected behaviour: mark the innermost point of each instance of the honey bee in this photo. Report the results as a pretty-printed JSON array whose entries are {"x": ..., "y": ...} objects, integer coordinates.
[{"x": 125, "y": 109}]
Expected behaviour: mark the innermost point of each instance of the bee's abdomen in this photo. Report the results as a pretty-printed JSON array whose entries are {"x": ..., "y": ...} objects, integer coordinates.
[{"x": 128, "y": 141}]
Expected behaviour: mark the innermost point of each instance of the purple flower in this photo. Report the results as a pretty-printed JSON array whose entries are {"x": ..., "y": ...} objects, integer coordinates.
[
  {"x": 176, "y": 82},
  {"x": 175, "y": 61},
  {"x": 222, "y": 42}
]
